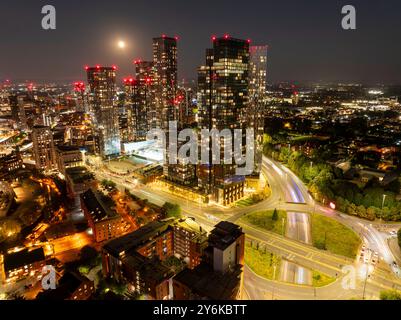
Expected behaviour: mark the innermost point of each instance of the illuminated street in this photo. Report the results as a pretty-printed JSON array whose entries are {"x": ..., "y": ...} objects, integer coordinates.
[{"x": 212, "y": 151}]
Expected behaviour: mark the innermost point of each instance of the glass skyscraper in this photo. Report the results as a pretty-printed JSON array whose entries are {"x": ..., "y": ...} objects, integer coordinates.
[
  {"x": 223, "y": 84},
  {"x": 101, "y": 82}
]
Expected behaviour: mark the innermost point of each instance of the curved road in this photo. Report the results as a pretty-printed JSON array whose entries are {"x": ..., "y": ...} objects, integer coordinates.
[{"x": 288, "y": 193}]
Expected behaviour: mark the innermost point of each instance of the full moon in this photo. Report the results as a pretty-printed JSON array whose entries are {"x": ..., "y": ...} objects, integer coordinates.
[{"x": 121, "y": 44}]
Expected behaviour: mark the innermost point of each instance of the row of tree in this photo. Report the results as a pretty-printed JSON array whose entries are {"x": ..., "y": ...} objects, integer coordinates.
[{"x": 326, "y": 183}]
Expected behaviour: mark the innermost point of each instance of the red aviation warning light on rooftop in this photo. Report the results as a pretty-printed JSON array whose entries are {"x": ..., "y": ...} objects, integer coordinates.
[
  {"x": 129, "y": 81},
  {"x": 98, "y": 67},
  {"x": 79, "y": 86}
]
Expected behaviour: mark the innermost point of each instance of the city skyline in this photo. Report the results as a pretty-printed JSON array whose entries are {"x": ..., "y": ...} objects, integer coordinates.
[
  {"x": 126, "y": 183},
  {"x": 300, "y": 38}
]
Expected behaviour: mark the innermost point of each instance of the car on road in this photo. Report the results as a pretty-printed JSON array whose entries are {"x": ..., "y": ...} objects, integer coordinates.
[{"x": 393, "y": 233}]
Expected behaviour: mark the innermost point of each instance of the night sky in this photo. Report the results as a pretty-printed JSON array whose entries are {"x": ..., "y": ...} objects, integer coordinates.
[{"x": 305, "y": 37}]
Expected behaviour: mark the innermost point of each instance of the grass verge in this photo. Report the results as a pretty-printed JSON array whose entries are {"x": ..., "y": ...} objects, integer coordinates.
[
  {"x": 262, "y": 262},
  {"x": 265, "y": 220},
  {"x": 320, "y": 279},
  {"x": 329, "y": 234}
]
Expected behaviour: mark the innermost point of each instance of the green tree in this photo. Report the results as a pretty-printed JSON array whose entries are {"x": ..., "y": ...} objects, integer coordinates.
[
  {"x": 371, "y": 213},
  {"x": 275, "y": 215},
  {"x": 108, "y": 184},
  {"x": 361, "y": 211},
  {"x": 172, "y": 210},
  {"x": 284, "y": 154},
  {"x": 390, "y": 295},
  {"x": 267, "y": 139},
  {"x": 88, "y": 255}
]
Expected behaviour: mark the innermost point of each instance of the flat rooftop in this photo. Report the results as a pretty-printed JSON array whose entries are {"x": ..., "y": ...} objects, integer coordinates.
[
  {"x": 224, "y": 234},
  {"x": 150, "y": 269},
  {"x": 188, "y": 224},
  {"x": 96, "y": 207},
  {"x": 66, "y": 148},
  {"x": 22, "y": 258},
  {"x": 66, "y": 286},
  {"x": 79, "y": 174},
  {"x": 131, "y": 241}
]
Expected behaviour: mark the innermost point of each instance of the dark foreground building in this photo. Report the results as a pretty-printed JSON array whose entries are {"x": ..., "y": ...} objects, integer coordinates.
[
  {"x": 71, "y": 286},
  {"x": 219, "y": 276}
]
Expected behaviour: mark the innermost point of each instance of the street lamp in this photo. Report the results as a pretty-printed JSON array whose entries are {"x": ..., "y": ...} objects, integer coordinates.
[{"x": 384, "y": 198}]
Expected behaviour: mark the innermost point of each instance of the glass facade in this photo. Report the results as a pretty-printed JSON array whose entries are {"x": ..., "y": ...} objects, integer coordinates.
[
  {"x": 222, "y": 101},
  {"x": 257, "y": 98},
  {"x": 102, "y": 99}
]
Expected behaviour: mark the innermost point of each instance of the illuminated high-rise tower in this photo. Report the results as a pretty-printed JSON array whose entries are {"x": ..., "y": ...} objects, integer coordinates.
[
  {"x": 257, "y": 97},
  {"x": 222, "y": 101},
  {"x": 165, "y": 90},
  {"x": 165, "y": 80},
  {"x": 43, "y": 148},
  {"x": 102, "y": 99},
  {"x": 17, "y": 105},
  {"x": 140, "y": 101},
  {"x": 131, "y": 93},
  {"x": 144, "y": 106}
]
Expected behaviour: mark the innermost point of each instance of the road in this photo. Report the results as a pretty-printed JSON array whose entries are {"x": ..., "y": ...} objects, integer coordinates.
[
  {"x": 368, "y": 231},
  {"x": 298, "y": 224},
  {"x": 288, "y": 193},
  {"x": 67, "y": 248},
  {"x": 298, "y": 228}
]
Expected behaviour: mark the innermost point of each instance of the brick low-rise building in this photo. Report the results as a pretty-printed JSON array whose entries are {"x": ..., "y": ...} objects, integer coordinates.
[
  {"x": 219, "y": 276},
  {"x": 71, "y": 286},
  {"x": 138, "y": 257},
  {"x": 68, "y": 157},
  {"x": 10, "y": 163},
  {"x": 105, "y": 223},
  {"x": 190, "y": 241},
  {"x": 23, "y": 263},
  {"x": 79, "y": 180}
]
